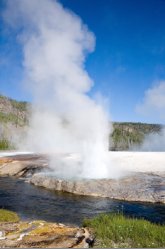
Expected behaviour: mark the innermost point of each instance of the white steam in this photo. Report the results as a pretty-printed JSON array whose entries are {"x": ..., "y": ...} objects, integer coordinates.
[
  {"x": 154, "y": 142},
  {"x": 65, "y": 119},
  {"x": 153, "y": 105}
]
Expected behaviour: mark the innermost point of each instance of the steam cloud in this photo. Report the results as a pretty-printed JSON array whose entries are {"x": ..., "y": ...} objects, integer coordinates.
[
  {"x": 65, "y": 119},
  {"x": 153, "y": 105},
  {"x": 154, "y": 101},
  {"x": 154, "y": 142}
]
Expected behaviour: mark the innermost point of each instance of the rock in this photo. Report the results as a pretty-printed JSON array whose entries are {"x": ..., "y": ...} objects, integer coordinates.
[
  {"x": 145, "y": 187},
  {"x": 43, "y": 235},
  {"x": 22, "y": 166}
]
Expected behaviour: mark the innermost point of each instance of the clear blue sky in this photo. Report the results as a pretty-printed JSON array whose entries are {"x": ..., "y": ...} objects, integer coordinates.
[{"x": 129, "y": 55}]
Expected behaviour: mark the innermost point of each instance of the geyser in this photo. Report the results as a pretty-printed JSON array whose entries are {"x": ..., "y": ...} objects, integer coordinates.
[{"x": 65, "y": 119}]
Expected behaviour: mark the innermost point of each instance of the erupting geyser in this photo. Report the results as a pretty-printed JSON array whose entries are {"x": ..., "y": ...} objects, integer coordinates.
[{"x": 65, "y": 119}]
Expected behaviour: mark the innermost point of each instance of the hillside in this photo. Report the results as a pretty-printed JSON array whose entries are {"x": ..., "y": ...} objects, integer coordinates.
[
  {"x": 13, "y": 111},
  {"x": 14, "y": 119},
  {"x": 126, "y": 135}
]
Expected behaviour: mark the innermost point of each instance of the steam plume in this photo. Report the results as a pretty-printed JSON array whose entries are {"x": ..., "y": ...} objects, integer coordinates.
[
  {"x": 154, "y": 142},
  {"x": 65, "y": 119},
  {"x": 153, "y": 105}
]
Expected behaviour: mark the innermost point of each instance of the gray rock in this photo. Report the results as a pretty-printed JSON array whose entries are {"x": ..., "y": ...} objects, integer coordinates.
[
  {"x": 145, "y": 187},
  {"x": 22, "y": 166}
]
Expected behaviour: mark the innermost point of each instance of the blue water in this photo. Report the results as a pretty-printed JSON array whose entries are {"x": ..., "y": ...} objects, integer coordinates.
[{"x": 32, "y": 202}]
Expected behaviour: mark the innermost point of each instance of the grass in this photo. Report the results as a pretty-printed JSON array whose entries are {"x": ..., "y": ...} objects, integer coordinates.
[
  {"x": 8, "y": 216},
  {"x": 41, "y": 230},
  {"x": 12, "y": 118},
  {"x": 115, "y": 230},
  {"x": 5, "y": 145},
  {"x": 19, "y": 105}
]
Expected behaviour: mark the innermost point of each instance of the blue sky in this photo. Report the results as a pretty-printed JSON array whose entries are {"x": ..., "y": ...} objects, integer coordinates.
[{"x": 128, "y": 59}]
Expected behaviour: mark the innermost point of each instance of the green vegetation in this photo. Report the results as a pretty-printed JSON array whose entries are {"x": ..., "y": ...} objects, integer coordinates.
[
  {"x": 5, "y": 145},
  {"x": 8, "y": 216},
  {"x": 115, "y": 230},
  {"x": 10, "y": 118},
  {"x": 125, "y": 135},
  {"x": 123, "y": 139},
  {"x": 12, "y": 111},
  {"x": 19, "y": 105}
]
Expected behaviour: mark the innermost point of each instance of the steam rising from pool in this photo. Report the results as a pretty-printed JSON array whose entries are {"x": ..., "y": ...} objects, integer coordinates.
[{"x": 65, "y": 119}]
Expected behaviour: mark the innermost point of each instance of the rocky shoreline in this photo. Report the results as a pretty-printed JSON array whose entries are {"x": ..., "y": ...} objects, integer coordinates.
[
  {"x": 137, "y": 186},
  {"x": 141, "y": 187},
  {"x": 42, "y": 234}
]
